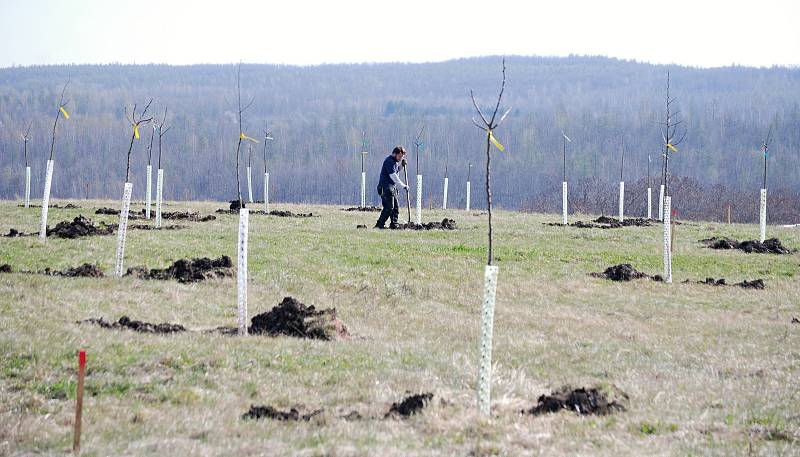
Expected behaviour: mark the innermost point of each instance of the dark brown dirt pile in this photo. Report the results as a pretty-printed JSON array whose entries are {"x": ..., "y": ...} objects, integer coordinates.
[
  {"x": 185, "y": 270},
  {"x": 5, "y": 268},
  {"x": 268, "y": 412},
  {"x": 593, "y": 400},
  {"x": 293, "y": 318},
  {"x": 621, "y": 272},
  {"x": 445, "y": 224},
  {"x": 605, "y": 222},
  {"x": 769, "y": 246},
  {"x": 754, "y": 284},
  {"x": 125, "y": 323},
  {"x": 153, "y": 227},
  {"x": 365, "y": 209},
  {"x": 410, "y": 405},
  {"x": 275, "y": 213},
  {"x": 87, "y": 270},
  {"x": 13, "y": 233},
  {"x": 80, "y": 226}
]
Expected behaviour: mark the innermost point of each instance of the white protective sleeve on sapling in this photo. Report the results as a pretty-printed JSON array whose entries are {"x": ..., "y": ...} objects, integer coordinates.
[
  {"x": 123, "y": 228},
  {"x": 444, "y": 197},
  {"x": 564, "y": 202},
  {"x": 149, "y": 190},
  {"x": 27, "y": 187},
  {"x": 419, "y": 199},
  {"x": 667, "y": 240},
  {"x": 468, "y": 189},
  {"x": 622, "y": 201},
  {"x": 241, "y": 272},
  {"x": 159, "y": 191},
  {"x": 266, "y": 192},
  {"x": 649, "y": 203},
  {"x": 249, "y": 186},
  {"x": 48, "y": 179},
  {"x": 487, "y": 326},
  {"x": 763, "y": 216},
  {"x": 363, "y": 189}
]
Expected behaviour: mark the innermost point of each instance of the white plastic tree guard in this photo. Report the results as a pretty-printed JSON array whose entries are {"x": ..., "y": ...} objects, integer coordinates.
[
  {"x": 667, "y": 240},
  {"x": 241, "y": 272},
  {"x": 444, "y": 198},
  {"x": 649, "y": 203},
  {"x": 763, "y": 215},
  {"x": 159, "y": 192},
  {"x": 27, "y": 187},
  {"x": 622, "y": 201},
  {"x": 661, "y": 204},
  {"x": 48, "y": 179},
  {"x": 487, "y": 326},
  {"x": 149, "y": 186},
  {"x": 249, "y": 186},
  {"x": 564, "y": 202},
  {"x": 419, "y": 199},
  {"x": 123, "y": 228},
  {"x": 363, "y": 189},
  {"x": 266, "y": 192},
  {"x": 468, "y": 183}
]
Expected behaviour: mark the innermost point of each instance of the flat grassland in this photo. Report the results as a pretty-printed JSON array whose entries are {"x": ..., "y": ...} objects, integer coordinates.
[{"x": 709, "y": 370}]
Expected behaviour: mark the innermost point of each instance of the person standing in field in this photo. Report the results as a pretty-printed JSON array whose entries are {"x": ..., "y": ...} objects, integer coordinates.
[{"x": 387, "y": 187}]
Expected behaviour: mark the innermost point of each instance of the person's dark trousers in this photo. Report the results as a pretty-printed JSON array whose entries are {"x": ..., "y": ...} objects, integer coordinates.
[{"x": 390, "y": 207}]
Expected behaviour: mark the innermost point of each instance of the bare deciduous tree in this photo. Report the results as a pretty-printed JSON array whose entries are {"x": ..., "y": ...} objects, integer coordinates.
[
  {"x": 669, "y": 134},
  {"x": 25, "y": 138},
  {"x": 489, "y": 125},
  {"x": 61, "y": 110},
  {"x": 161, "y": 132},
  {"x": 136, "y": 121},
  {"x": 765, "y": 150},
  {"x": 242, "y": 136}
]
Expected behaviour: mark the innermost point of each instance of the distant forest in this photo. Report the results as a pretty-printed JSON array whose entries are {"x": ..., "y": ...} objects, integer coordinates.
[{"x": 317, "y": 115}]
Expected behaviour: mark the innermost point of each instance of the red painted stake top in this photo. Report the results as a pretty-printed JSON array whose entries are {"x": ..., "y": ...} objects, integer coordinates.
[{"x": 82, "y": 359}]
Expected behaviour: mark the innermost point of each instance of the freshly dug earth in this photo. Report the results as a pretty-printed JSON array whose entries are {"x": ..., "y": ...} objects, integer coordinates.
[
  {"x": 125, "y": 323},
  {"x": 268, "y": 412},
  {"x": 185, "y": 270},
  {"x": 264, "y": 213},
  {"x": 172, "y": 215},
  {"x": 80, "y": 226},
  {"x": 5, "y": 268},
  {"x": 754, "y": 284},
  {"x": 445, "y": 224},
  {"x": 293, "y": 318},
  {"x": 87, "y": 270},
  {"x": 13, "y": 233},
  {"x": 594, "y": 400},
  {"x": 410, "y": 405},
  {"x": 770, "y": 246},
  {"x": 153, "y": 227},
  {"x": 621, "y": 272},
  {"x": 365, "y": 209},
  {"x": 67, "y": 206}
]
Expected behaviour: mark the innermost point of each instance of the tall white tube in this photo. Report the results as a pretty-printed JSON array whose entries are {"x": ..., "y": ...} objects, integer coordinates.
[
  {"x": 266, "y": 192},
  {"x": 363, "y": 189},
  {"x": 27, "y": 187},
  {"x": 649, "y": 203},
  {"x": 249, "y": 186},
  {"x": 763, "y": 215},
  {"x": 564, "y": 202},
  {"x": 123, "y": 228},
  {"x": 159, "y": 190},
  {"x": 487, "y": 326},
  {"x": 149, "y": 191},
  {"x": 241, "y": 270},
  {"x": 419, "y": 199},
  {"x": 444, "y": 198},
  {"x": 468, "y": 183},
  {"x": 622, "y": 201},
  {"x": 48, "y": 179},
  {"x": 661, "y": 204},
  {"x": 667, "y": 240}
]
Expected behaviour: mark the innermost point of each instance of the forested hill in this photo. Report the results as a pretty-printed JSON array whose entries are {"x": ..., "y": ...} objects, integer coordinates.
[{"x": 317, "y": 115}]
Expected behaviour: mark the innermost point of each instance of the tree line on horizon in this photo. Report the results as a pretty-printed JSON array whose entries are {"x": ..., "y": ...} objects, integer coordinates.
[{"x": 318, "y": 114}]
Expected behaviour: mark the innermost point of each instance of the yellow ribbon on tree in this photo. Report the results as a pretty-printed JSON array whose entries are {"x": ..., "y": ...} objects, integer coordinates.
[
  {"x": 245, "y": 137},
  {"x": 495, "y": 142},
  {"x": 669, "y": 145},
  {"x": 64, "y": 112},
  {"x": 136, "y": 131}
]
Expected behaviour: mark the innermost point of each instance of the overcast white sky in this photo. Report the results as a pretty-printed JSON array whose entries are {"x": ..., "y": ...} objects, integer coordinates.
[{"x": 688, "y": 32}]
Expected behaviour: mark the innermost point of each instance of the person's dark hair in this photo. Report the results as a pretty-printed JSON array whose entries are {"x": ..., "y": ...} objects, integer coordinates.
[{"x": 398, "y": 150}]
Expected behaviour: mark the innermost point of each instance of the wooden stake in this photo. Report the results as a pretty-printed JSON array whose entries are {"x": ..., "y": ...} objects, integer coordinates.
[{"x": 76, "y": 439}]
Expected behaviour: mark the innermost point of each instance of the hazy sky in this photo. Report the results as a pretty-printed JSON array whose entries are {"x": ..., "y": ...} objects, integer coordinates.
[{"x": 689, "y": 32}]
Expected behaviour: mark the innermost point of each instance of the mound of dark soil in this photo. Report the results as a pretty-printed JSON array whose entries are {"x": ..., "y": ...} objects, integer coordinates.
[
  {"x": 80, "y": 226},
  {"x": 365, "y": 209},
  {"x": 185, "y": 270},
  {"x": 125, "y": 323},
  {"x": 275, "y": 213},
  {"x": 770, "y": 246},
  {"x": 293, "y": 318},
  {"x": 410, "y": 405},
  {"x": 268, "y": 412},
  {"x": 593, "y": 400},
  {"x": 13, "y": 233},
  {"x": 107, "y": 211},
  {"x": 67, "y": 206},
  {"x": 605, "y": 222},
  {"x": 153, "y": 227},
  {"x": 445, "y": 224},
  {"x": 87, "y": 270},
  {"x": 621, "y": 272},
  {"x": 754, "y": 284},
  {"x": 5, "y": 268},
  {"x": 187, "y": 216}
]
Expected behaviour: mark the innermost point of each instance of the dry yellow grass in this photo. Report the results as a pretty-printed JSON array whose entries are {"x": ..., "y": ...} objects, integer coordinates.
[{"x": 709, "y": 371}]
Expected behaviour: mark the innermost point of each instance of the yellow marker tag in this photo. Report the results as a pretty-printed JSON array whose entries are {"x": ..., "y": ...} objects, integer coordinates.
[
  {"x": 136, "y": 131},
  {"x": 669, "y": 145},
  {"x": 64, "y": 112},
  {"x": 496, "y": 143},
  {"x": 245, "y": 137}
]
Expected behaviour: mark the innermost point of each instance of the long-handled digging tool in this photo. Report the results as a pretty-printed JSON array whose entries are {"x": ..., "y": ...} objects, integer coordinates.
[{"x": 408, "y": 197}]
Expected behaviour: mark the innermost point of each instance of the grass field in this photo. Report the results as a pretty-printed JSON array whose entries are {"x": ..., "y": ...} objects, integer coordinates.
[{"x": 709, "y": 370}]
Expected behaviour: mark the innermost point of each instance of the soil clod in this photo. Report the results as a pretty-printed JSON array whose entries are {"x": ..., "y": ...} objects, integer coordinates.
[
  {"x": 769, "y": 246},
  {"x": 5, "y": 268},
  {"x": 605, "y": 222},
  {"x": 185, "y": 270},
  {"x": 410, "y": 405},
  {"x": 621, "y": 272},
  {"x": 153, "y": 227},
  {"x": 593, "y": 400},
  {"x": 795, "y": 320},
  {"x": 87, "y": 270},
  {"x": 293, "y": 318},
  {"x": 268, "y": 412},
  {"x": 13, "y": 233},
  {"x": 754, "y": 284},
  {"x": 445, "y": 224},
  {"x": 80, "y": 226},
  {"x": 125, "y": 323},
  {"x": 364, "y": 209}
]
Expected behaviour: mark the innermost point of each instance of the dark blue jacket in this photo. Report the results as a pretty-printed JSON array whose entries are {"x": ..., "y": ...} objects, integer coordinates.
[{"x": 389, "y": 166}]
